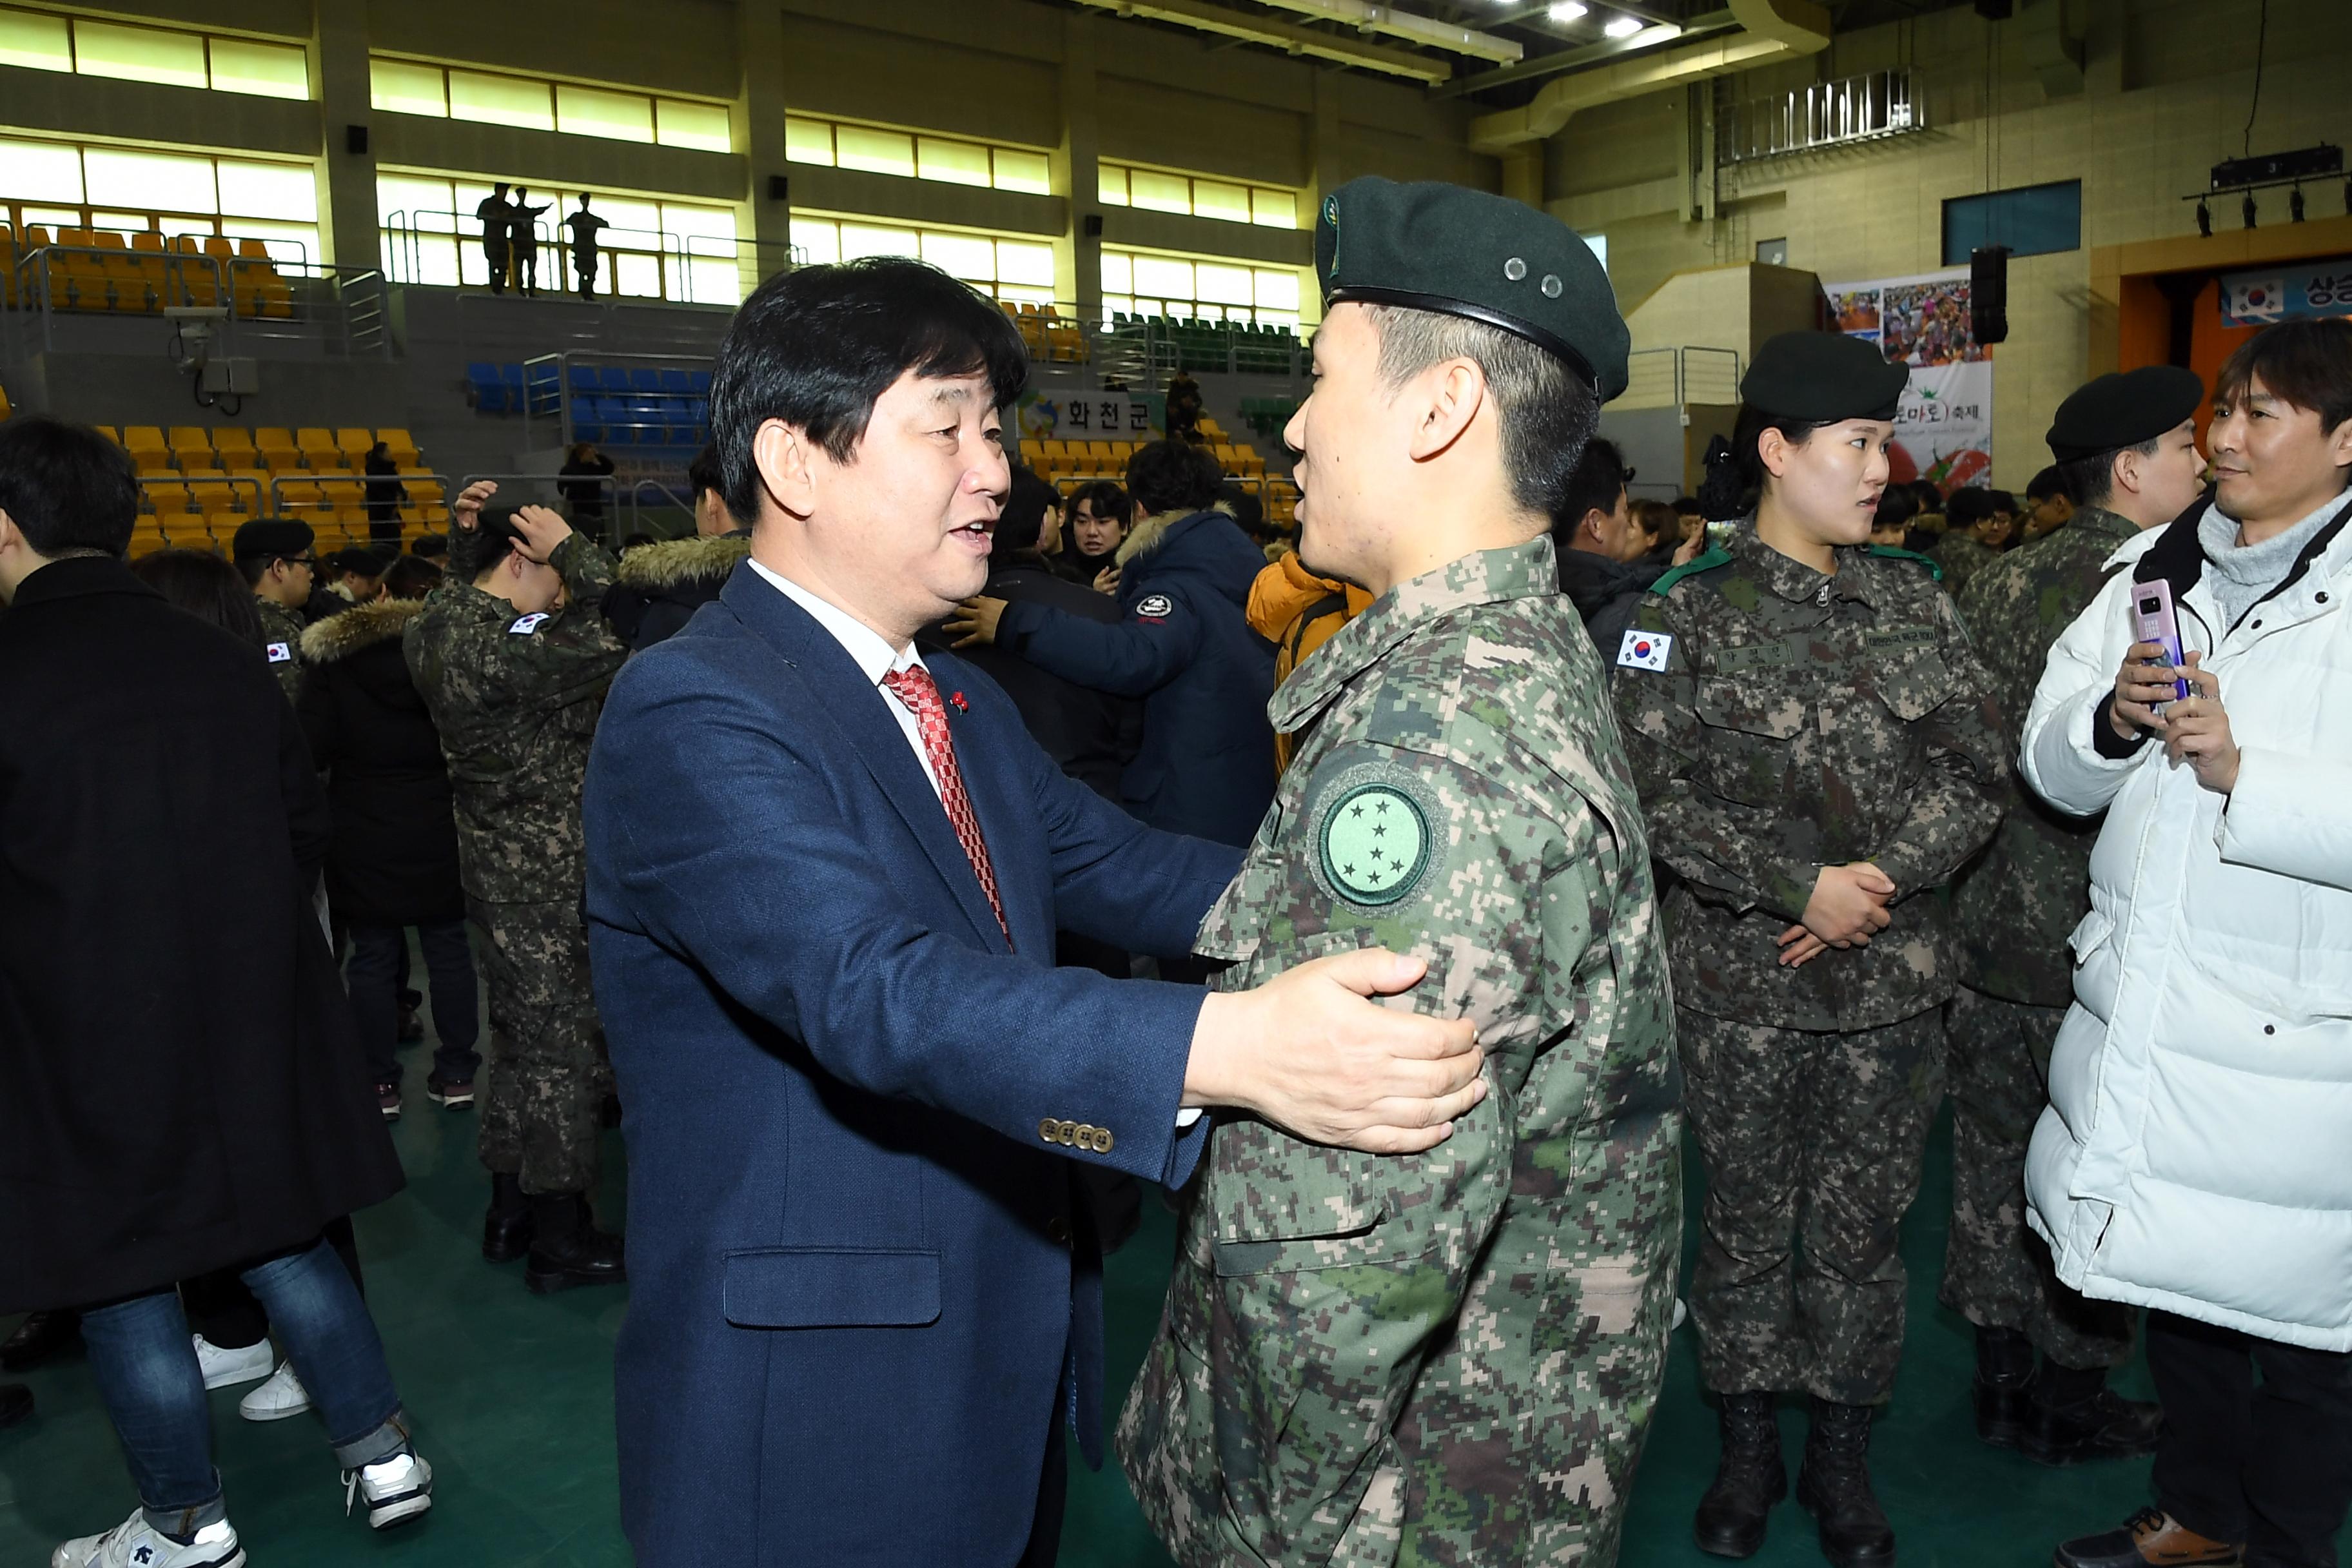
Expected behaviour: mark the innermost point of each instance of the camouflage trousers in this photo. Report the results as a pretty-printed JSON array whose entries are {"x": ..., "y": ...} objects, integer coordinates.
[
  {"x": 548, "y": 1073},
  {"x": 1812, "y": 1143},
  {"x": 1996, "y": 1272}
]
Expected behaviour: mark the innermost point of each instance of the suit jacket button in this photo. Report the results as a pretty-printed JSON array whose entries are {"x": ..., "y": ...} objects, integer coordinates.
[
  {"x": 1045, "y": 1128},
  {"x": 1102, "y": 1140},
  {"x": 1059, "y": 1229}
]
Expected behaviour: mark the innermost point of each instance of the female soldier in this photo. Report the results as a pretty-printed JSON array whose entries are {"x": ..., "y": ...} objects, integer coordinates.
[{"x": 1816, "y": 746}]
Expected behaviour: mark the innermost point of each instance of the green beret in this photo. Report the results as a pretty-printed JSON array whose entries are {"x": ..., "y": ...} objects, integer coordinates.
[
  {"x": 2123, "y": 409},
  {"x": 267, "y": 538},
  {"x": 366, "y": 562},
  {"x": 1460, "y": 252},
  {"x": 1823, "y": 377}
]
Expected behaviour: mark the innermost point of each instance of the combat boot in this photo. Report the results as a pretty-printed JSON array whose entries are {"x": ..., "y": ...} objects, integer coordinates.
[
  {"x": 567, "y": 1249},
  {"x": 2076, "y": 1416},
  {"x": 506, "y": 1228},
  {"x": 1835, "y": 1487},
  {"x": 1748, "y": 1479},
  {"x": 2003, "y": 1395}
]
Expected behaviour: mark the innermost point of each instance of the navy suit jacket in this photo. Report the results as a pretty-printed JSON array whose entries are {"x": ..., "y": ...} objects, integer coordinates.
[{"x": 858, "y": 1279}]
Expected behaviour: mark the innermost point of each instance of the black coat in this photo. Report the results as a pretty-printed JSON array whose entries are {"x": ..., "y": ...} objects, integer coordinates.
[
  {"x": 1605, "y": 591},
  {"x": 180, "y": 1085},
  {"x": 659, "y": 586},
  {"x": 1091, "y": 735},
  {"x": 395, "y": 859}
]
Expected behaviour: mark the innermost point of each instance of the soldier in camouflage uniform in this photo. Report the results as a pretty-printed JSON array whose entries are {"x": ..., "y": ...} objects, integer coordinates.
[
  {"x": 279, "y": 558},
  {"x": 514, "y": 685},
  {"x": 1452, "y": 1357},
  {"x": 2129, "y": 442},
  {"x": 1817, "y": 748}
]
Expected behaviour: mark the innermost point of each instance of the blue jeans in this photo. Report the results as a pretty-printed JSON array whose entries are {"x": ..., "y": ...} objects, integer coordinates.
[
  {"x": 372, "y": 975},
  {"x": 144, "y": 1363}
]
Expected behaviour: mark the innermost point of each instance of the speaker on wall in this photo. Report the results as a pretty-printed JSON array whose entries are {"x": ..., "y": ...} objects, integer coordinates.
[
  {"x": 1988, "y": 293},
  {"x": 780, "y": 188},
  {"x": 355, "y": 141},
  {"x": 1093, "y": 226}
]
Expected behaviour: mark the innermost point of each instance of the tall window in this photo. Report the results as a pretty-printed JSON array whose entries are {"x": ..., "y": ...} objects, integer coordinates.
[
  {"x": 535, "y": 103},
  {"x": 1198, "y": 195},
  {"x": 916, "y": 156},
  {"x": 44, "y": 40},
  {"x": 60, "y": 185},
  {"x": 1006, "y": 267},
  {"x": 654, "y": 249},
  {"x": 1199, "y": 288}
]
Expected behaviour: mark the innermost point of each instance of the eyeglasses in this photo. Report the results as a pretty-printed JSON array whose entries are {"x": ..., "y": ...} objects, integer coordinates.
[{"x": 310, "y": 560}]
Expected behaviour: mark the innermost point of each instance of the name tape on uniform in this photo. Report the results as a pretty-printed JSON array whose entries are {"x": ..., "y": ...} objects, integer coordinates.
[
  {"x": 1644, "y": 650},
  {"x": 528, "y": 624},
  {"x": 280, "y": 652},
  {"x": 1154, "y": 606}
]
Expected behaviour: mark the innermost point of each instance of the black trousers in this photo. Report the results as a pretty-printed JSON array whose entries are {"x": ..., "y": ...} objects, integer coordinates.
[
  {"x": 2270, "y": 1464},
  {"x": 1053, "y": 1490}
]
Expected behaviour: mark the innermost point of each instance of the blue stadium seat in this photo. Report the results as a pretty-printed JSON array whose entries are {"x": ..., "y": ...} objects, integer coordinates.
[
  {"x": 613, "y": 378},
  {"x": 489, "y": 393},
  {"x": 582, "y": 378},
  {"x": 675, "y": 380},
  {"x": 699, "y": 380},
  {"x": 645, "y": 379}
]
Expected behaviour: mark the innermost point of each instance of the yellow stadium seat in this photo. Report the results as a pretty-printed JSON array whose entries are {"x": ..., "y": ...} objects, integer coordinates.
[
  {"x": 353, "y": 442},
  {"x": 217, "y": 246},
  {"x": 148, "y": 241},
  {"x": 138, "y": 439},
  {"x": 190, "y": 439},
  {"x": 401, "y": 447},
  {"x": 236, "y": 447},
  {"x": 312, "y": 439},
  {"x": 109, "y": 432},
  {"x": 252, "y": 250}
]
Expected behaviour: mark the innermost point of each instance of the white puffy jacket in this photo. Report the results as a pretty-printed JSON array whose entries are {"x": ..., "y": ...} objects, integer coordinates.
[{"x": 2197, "y": 1153}]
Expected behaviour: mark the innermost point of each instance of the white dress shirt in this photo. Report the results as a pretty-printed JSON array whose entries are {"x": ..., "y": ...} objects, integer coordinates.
[{"x": 873, "y": 656}]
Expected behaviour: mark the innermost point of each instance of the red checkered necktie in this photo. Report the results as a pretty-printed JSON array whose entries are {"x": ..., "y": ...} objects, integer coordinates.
[{"x": 914, "y": 687}]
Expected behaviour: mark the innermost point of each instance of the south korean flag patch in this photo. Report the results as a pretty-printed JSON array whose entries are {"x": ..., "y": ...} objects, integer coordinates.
[
  {"x": 281, "y": 652},
  {"x": 1644, "y": 650},
  {"x": 527, "y": 625},
  {"x": 1154, "y": 608}
]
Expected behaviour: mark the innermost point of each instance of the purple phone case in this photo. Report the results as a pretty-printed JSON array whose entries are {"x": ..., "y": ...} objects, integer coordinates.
[{"x": 2153, "y": 621}]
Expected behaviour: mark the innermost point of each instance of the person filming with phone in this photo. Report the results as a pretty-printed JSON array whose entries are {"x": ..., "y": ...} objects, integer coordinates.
[{"x": 2192, "y": 1156}]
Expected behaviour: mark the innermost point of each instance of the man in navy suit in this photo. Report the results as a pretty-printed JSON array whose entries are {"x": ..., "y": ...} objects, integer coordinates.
[{"x": 825, "y": 877}]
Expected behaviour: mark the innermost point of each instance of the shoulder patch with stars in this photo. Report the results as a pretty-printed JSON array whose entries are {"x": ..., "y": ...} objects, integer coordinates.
[
  {"x": 1154, "y": 608},
  {"x": 1377, "y": 837},
  {"x": 528, "y": 624}
]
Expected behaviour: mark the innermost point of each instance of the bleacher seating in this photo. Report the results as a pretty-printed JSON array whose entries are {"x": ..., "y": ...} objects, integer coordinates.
[
  {"x": 1080, "y": 460},
  {"x": 137, "y": 274},
  {"x": 612, "y": 405},
  {"x": 1216, "y": 346},
  {"x": 198, "y": 484},
  {"x": 1046, "y": 334}
]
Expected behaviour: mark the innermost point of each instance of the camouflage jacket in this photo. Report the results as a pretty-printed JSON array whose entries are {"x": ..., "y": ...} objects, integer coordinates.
[
  {"x": 1782, "y": 720},
  {"x": 281, "y": 644},
  {"x": 2018, "y": 905},
  {"x": 515, "y": 699},
  {"x": 1459, "y": 793},
  {"x": 1961, "y": 557}
]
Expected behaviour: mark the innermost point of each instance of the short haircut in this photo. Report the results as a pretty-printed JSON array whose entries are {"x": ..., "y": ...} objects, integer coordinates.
[
  {"x": 410, "y": 577},
  {"x": 1685, "y": 506},
  {"x": 1969, "y": 506},
  {"x": 1659, "y": 523},
  {"x": 67, "y": 488},
  {"x": 1599, "y": 478},
  {"x": 474, "y": 551},
  {"x": 2002, "y": 500},
  {"x": 1929, "y": 495},
  {"x": 1896, "y": 506},
  {"x": 705, "y": 473},
  {"x": 1245, "y": 508},
  {"x": 1104, "y": 499},
  {"x": 1173, "y": 476},
  {"x": 431, "y": 547},
  {"x": 2053, "y": 481},
  {"x": 1544, "y": 411},
  {"x": 816, "y": 347},
  {"x": 2305, "y": 362},
  {"x": 1022, "y": 521},
  {"x": 206, "y": 587}
]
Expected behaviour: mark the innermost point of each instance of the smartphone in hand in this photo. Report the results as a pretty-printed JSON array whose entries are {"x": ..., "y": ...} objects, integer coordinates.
[{"x": 2153, "y": 621}]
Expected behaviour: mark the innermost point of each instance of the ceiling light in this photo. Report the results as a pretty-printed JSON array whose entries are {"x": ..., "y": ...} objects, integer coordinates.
[
  {"x": 1566, "y": 11},
  {"x": 1624, "y": 27}
]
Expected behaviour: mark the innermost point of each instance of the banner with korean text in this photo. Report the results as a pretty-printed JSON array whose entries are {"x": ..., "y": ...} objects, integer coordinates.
[{"x": 1943, "y": 433}]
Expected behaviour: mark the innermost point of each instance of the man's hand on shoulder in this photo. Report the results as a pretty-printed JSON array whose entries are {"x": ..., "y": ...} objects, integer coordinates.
[
  {"x": 1310, "y": 1053},
  {"x": 974, "y": 621}
]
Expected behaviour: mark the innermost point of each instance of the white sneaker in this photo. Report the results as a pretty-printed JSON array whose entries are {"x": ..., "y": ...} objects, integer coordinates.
[
  {"x": 226, "y": 1368},
  {"x": 395, "y": 1490},
  {"x": 282, "y": 1396},
  {"x": 133, "y": 1544}
]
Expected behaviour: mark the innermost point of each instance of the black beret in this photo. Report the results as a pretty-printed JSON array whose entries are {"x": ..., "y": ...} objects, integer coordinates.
[
  {"x": 267, "y": 538},
  {"x": 1460, "y": 252},
  {"x": 366, "y": 562},
  {"x": 2124, "y": 408},
  {"x": 1823, "y": 377}
]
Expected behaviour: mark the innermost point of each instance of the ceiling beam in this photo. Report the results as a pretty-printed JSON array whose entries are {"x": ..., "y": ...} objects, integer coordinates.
[
  {"x": 1296, "y": 40},
  {"x": 1427, "y": 31},
  {"x": 1589, "y": 55}
]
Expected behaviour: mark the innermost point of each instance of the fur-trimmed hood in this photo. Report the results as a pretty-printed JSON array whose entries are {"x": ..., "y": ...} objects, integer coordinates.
[
  {"x": 650, "y": 568},
  {"x": 346, "y": 632},
  {"x": 1146, "y": 534}
]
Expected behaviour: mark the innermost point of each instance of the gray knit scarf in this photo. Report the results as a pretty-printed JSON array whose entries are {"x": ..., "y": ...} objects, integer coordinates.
[{"x": 2245, "y": 572}]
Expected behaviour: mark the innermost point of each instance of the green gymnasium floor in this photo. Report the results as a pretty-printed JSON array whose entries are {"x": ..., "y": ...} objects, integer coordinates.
[{"x": 512, "y": 1398}]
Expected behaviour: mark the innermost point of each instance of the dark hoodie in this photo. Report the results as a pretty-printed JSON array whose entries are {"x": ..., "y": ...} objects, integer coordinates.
[
  {"x": 394, "y": 856},
  {"x": 1183, "y": 644}
]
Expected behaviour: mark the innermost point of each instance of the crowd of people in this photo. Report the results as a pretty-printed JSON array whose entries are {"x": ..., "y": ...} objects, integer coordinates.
[
  {"x": 510, "y": 240},
  {"x": 917, "y": 862}
]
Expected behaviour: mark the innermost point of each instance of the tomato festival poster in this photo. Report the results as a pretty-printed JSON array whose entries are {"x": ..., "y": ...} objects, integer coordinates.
[{"x": 1943, "y": 432}]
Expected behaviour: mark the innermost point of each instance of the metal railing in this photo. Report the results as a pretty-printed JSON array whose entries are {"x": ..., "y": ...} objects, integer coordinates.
[
  {"x": 1667, "y": 378},
  {"x": 342, "y": 310},
  {"x": 676, "y": 277},
  {"x": 1865, "y": 108},
  {"x": 548, "y": 394}
]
